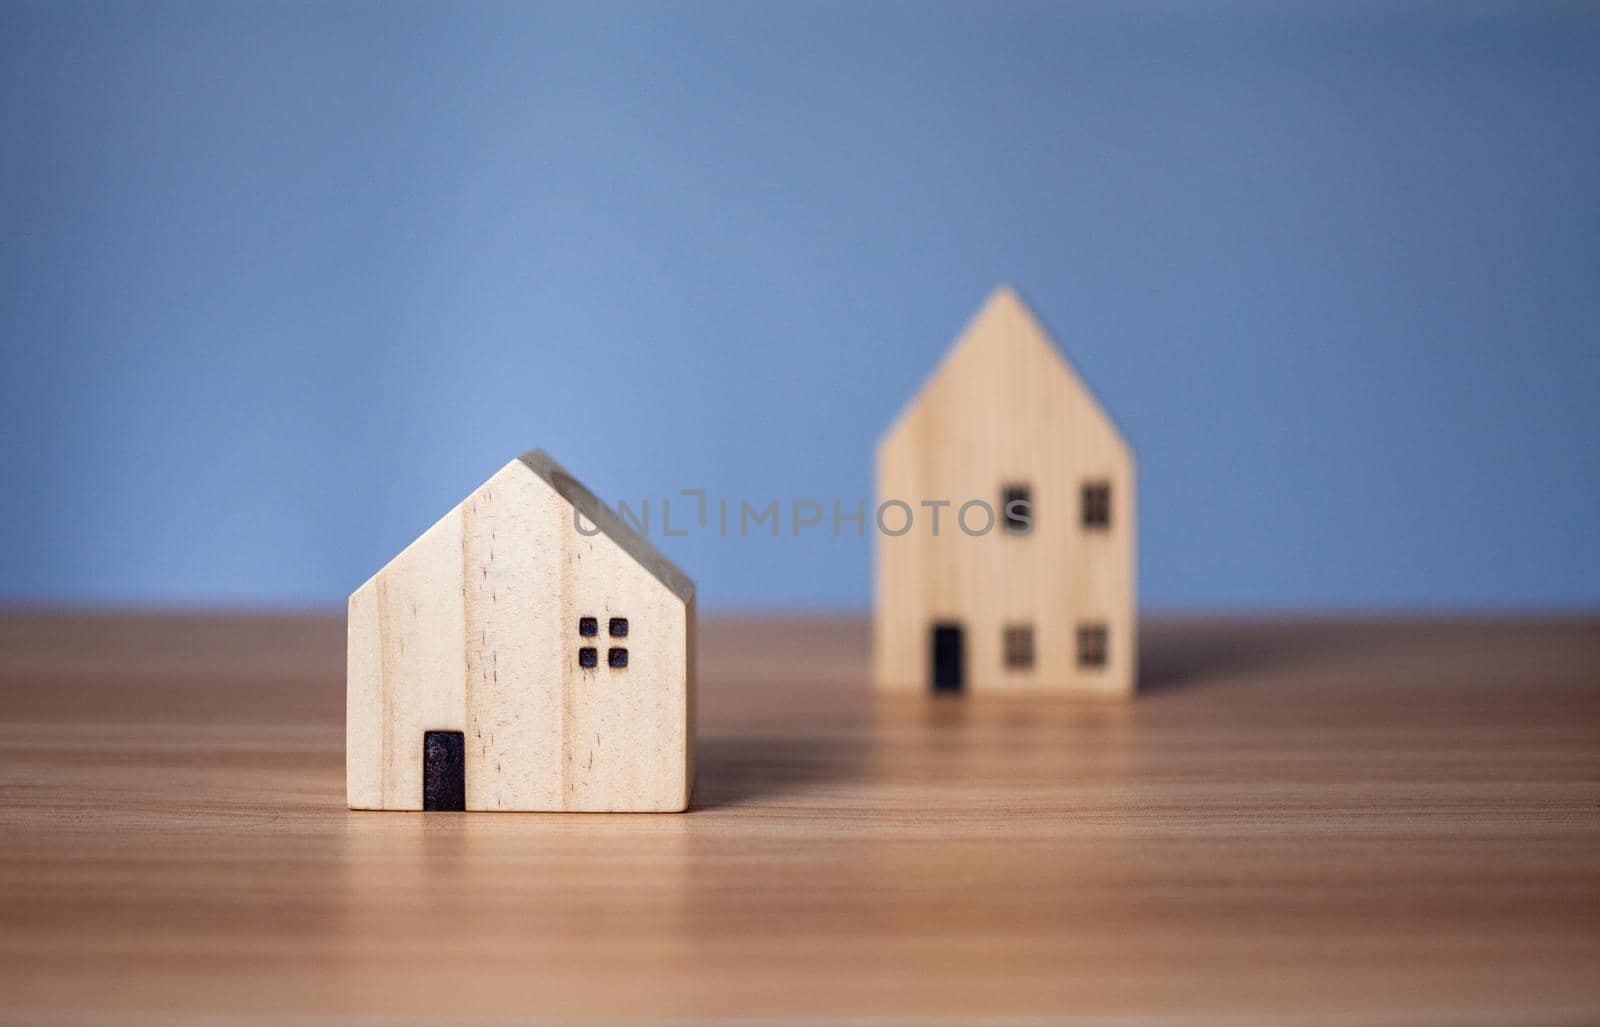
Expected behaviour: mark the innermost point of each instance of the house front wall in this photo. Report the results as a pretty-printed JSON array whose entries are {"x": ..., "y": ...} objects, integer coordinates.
[
  {"x": 476, "y": 628},
  {"x": 1005, "y": 409}
]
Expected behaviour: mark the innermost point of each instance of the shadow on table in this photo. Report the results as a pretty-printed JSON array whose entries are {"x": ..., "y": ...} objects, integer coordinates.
[
  {"x": 1184, "y": 654},
  {"x": 736, "y": 771}
]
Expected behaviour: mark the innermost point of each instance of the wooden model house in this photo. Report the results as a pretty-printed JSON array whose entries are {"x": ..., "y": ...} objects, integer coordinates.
[
  {"x": 528, "y": 652},
  {"x": 1042, "y": 601}
]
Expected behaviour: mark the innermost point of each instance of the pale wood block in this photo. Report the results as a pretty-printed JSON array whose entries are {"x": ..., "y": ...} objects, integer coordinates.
[
  {"x": 518, "y": 630},
  {"x": 477, "y": 627},
  {"x": 1004, "y": 408},
  {"x": 408, "y": 654},
  {"x": 364, "y": 696}
]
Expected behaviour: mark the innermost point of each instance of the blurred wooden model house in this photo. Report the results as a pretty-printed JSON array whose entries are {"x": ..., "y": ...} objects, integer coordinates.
[{"x": 1043, "y": 600}]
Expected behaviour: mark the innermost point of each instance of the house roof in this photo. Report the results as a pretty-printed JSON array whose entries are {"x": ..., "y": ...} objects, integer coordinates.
[
  {"x": 604, "y": 518},
  {"x": 1004, "y": 320}
]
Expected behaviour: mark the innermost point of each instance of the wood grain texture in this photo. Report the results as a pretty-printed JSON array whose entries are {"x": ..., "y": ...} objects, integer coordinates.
[
  {"x": 475, "y": 628},
  {"x": 1003, "y": 408},
  {"x": 1354, "y": 822}
]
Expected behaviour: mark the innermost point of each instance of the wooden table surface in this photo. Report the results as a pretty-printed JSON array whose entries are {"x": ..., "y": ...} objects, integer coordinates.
[{"x": 1355, "y": 821}]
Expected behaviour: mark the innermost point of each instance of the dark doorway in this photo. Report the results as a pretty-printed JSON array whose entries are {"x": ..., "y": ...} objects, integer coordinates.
[
  {"x": 948, "y": 667},
  {"x": 444, "y": 770}
]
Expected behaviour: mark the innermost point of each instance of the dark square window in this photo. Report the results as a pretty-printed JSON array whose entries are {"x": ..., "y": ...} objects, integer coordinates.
[
  {"x": 1016, "y": 509},
  {"x": 588, "y": 627},
  {"x": 1091, "y": 645},
  {"x": 1018, "y": 644},
  {"x": 619, "y": 627},
  {"x": 1097, "y": 505},
  {"x": 588, "y": 657},
  {"x": 617, "y": 657}
]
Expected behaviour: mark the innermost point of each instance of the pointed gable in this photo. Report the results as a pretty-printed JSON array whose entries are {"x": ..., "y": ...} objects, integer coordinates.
[
  {"x": 1003, "y": 360},
  {"x": 604, "y": 518}
]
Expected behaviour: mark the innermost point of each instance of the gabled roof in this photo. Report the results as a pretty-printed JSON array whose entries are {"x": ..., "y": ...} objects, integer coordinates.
[
  {"x": 614, "y": 527},
  {"x": 1003, "y": 325}
]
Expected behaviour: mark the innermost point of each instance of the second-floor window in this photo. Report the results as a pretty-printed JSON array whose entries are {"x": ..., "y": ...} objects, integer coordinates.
[
  {"x": 1097, "y": 505},
  {"x": 1016, "y": 509}
]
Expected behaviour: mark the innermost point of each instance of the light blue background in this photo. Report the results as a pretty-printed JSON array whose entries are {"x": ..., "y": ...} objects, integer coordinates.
[{"x": 282, "y": 282}]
